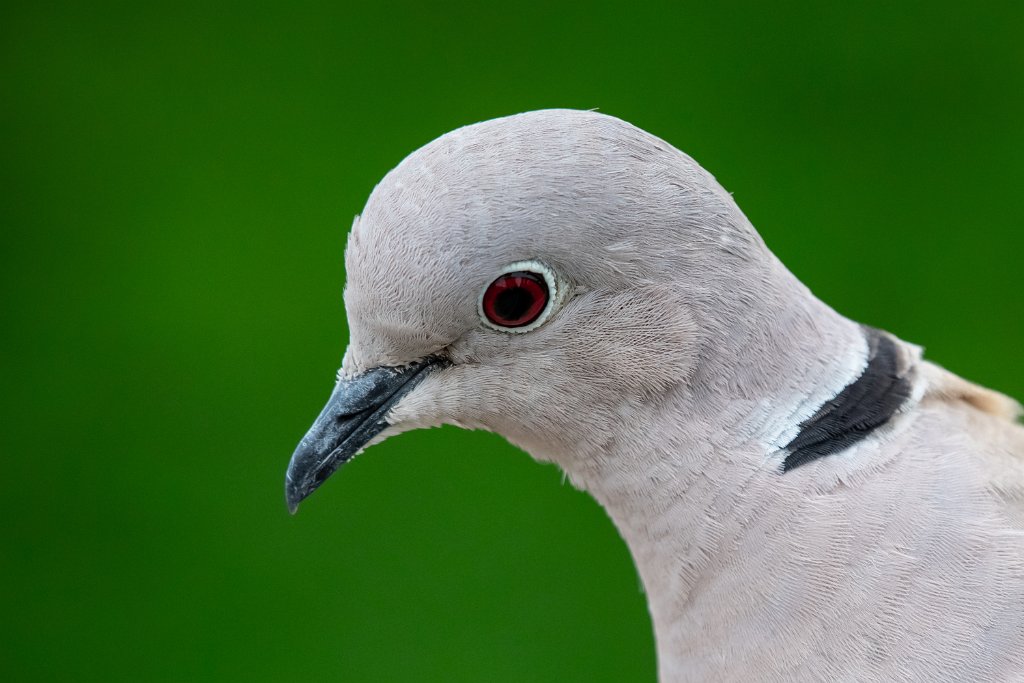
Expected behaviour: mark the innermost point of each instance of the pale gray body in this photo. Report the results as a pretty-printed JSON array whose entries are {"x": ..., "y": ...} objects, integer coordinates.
[{"x": 685, "y": 356}]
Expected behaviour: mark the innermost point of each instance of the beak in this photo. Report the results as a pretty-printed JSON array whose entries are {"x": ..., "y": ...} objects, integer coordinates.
[{"x": 355, "y": 413}]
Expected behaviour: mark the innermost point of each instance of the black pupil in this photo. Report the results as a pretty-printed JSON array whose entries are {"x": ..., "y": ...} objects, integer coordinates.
[{"x": 513, "y": 303}]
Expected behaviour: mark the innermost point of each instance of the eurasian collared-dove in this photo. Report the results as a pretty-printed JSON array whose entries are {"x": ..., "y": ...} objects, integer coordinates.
[{"x": 805, "y": 498}]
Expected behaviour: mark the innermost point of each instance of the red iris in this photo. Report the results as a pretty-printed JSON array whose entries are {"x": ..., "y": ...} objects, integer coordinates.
[{"x": 515, "y": 299}]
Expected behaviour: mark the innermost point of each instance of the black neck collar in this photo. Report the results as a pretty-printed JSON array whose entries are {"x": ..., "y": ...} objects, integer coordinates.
[{"x": 859, "y": 409}]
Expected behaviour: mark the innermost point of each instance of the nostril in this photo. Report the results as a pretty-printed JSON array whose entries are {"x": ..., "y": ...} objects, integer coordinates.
[{"x": 346, "y": 417}]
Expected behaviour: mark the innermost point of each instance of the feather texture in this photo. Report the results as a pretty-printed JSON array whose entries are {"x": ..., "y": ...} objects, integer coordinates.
[{"x": 683, "y": 360}]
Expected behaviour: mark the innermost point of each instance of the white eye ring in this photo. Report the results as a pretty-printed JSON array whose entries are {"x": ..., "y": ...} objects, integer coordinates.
[{"x": 555, "y": 294}]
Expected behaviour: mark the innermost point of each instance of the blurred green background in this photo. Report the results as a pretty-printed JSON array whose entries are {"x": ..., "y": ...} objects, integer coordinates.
[{"x": 177, "y": 182}]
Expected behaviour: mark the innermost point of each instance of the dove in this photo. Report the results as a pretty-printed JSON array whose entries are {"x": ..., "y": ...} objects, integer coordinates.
[{"x": 804, "y": 497}]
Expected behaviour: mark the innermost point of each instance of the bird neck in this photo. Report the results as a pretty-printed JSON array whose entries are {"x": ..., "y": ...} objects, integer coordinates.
[{"x": 692, "y": 483}]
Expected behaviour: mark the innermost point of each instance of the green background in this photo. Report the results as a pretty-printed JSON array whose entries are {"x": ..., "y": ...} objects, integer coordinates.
[{"x": 177, "y": 182}]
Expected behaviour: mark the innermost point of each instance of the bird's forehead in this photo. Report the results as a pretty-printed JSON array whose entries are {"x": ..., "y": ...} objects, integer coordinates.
[
  {"x": 422, "y": 251},
  {"x": 590, "y": 195},
  {"x": 550, "y": 183}
]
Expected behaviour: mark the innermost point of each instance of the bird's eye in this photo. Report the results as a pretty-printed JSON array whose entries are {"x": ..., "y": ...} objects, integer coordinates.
[{"x": 518, "y": 300}]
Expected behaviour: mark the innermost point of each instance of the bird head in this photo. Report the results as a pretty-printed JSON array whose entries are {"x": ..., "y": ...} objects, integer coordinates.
[{"x": 539, "y": 276}]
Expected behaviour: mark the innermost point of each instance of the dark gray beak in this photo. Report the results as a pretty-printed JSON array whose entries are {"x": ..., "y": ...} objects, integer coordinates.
[{"x": 354, "y": 414}]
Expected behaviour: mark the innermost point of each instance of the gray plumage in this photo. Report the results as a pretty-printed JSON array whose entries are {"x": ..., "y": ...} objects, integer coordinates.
[{"x": 679, "y": 365}]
